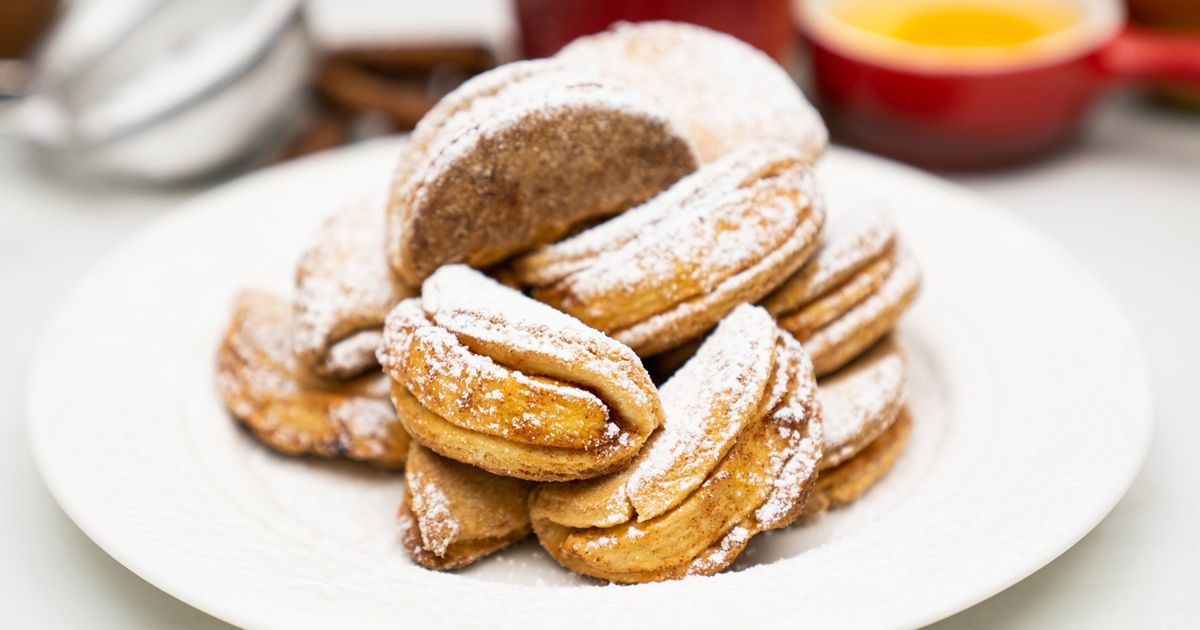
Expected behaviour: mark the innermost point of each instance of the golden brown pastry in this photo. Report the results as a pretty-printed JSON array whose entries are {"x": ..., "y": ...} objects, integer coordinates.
[
  {"x": 851, "y": 293},
  {"x": 521, "y": 155},
  {"x": 851, "y": 479},
  {"x": 738, "y": 455},
  {"x": 722, "y": 92},
  {"x": 865, "y": 425},
  {"x": 860, "y": 401},
  {"x": 454, "y": 514},
  {"x": 484, "y": 375},
  {"x": 344, "y": 289},
  {"x": 291, "y": 410},
  {"x": 669, "y": 270}
]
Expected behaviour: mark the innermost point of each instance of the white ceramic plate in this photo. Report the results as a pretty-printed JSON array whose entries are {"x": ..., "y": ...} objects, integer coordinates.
[{"x": 1030, "y": 395}]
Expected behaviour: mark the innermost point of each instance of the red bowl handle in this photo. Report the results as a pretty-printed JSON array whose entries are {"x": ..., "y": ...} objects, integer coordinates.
[{"x": 1138, "y": 54}]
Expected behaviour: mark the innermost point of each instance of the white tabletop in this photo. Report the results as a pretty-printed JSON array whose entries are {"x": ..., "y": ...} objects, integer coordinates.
[{"x": 1126, "y": 202}]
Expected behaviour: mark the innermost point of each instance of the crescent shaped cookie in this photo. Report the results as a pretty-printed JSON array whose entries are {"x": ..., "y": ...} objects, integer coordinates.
[
  {"x": 289, "y": 409},
  {"x": 862, "y": 400},
  {"x": 344, "y": 289},
  {"x": 865, "y": 425},
  {"x": 486, "y": 376},
  {"x": 848, "y": 481},
  {"x": 851, "y": 293},
  {"x": 722, "y": 92},
  {"x": 669, "y": 270},
  {"x": 520, "y": 156},
  {"x": 454, "y": 514},
  {"x": 738, "y": 455}
]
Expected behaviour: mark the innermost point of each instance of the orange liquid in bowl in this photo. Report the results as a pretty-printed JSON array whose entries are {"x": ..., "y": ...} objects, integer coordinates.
[{"x": 959, "y": 24}]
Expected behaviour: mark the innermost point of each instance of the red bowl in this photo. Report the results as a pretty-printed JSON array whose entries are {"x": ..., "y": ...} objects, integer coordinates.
[
  {"x": 547, "y": 25},
  {"x": 972, "y": 116}
]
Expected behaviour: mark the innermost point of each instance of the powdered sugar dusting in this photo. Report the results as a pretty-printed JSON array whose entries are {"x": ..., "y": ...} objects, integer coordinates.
[
  {"x": 784, "y": 444},
  {"x": 290, "y": 409},
  {"x": 848, "y": 245},
  {"x": 725, "y": 225},
  {"x": 900, "y": 285},
  {"x": 506, "y": 160},
  {"x": 600, "y": 542},
  {"x": 352, "y": 353},
  {"x": 797, "y": 425},
  {"x": 262, "y": 332},
  {"x": 435, "y": 516},
  {"x": 723, "y": 92},
  {"x": 460, "y": 384},
  {"x": 707, "y": 254},
  {"x": 343, "y": 286},
  {"x": 707, "y": 403},
  {"x": 408, "y": 172},
  {"x": 860, "y": 402},
  {"x": 507, "y": 324},
  {"x": 544, "y": 94},
  {"x": 793, "y": 476},
  {"x": 696, "y": 315},
  {"x": 366, "y": 420},
  {"x": 721, "y": 554},
  {"x": 463, "y": 300},
  {"x": 670, "y": 269},
  {"x": 696, "y": 194}
]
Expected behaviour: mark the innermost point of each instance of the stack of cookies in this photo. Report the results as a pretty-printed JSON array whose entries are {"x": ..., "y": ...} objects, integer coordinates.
[{"x": 599, "y": 303}]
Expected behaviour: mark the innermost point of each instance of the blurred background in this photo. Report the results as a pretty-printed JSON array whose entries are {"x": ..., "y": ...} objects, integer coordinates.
[
  {"x": 1081, "y": 117},
  {"x": 119, "y": 88}
]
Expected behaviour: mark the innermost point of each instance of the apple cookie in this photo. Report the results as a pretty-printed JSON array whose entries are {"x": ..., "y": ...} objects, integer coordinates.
[
  {"x": 344, "y": 289},
  {"x": 721, "y": 91},
  {"x": 851, "y": 293},
  {"x": 484, "y": 375},
  {"x": 669, "y": 270},
  {"x": 737, "y": 455},
  {"x": 454, "y": 514},
  {"x": 291, "y": 410},
  {"x": 520, "y": 156}
]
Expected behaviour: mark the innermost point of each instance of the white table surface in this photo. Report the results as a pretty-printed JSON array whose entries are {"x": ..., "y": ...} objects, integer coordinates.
[{"x": 1126, "y": 201}]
